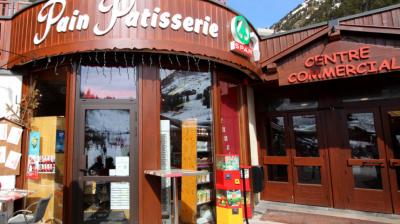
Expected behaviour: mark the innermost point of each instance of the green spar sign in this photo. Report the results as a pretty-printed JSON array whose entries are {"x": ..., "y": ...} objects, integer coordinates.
[{"x": 241, "y": 30}]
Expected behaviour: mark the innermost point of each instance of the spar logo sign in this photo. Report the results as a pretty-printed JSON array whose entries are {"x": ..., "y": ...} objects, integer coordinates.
[{"x": 245, "y": 42}]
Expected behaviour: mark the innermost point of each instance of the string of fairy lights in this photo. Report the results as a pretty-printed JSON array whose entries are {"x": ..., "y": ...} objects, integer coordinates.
[
  {"x": 107, "y": 61},
  {"x": 95, "y": 61}
]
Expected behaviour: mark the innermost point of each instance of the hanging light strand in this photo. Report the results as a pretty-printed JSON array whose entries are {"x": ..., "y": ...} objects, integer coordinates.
[{"x": 55, "y": 67}]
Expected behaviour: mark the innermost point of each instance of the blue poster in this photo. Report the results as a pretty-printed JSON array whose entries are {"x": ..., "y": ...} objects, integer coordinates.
[
  {"x": 60, "y": 141},
  {"x": 34, "y": 143}
]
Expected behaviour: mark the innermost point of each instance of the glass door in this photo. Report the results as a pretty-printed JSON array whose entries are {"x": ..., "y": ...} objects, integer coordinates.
[
  {"x": 391, "y": 125},
  {"x": 106, "y": 149},
  {"x": 106, "y": 162},
  {"x": 366, "y": 173}
]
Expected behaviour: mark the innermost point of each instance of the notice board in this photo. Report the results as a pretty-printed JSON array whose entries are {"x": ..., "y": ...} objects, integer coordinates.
[{"x": 10, "y": 147}]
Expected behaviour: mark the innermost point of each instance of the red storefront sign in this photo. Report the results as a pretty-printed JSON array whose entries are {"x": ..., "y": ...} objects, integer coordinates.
[
  {"x": 241, "y": 49},
  {"x": 364, "y": 60}
]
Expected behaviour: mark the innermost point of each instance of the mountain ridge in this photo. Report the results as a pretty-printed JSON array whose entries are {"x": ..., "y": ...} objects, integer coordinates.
[{"x": 315, "y": 11}]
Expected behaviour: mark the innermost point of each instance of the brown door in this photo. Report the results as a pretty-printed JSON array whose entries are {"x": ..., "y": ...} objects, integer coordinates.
[
  {"x": 366, "y": 176},
  {"x": 391, "y": 125},
  {"x": 295, "y": 159},
  {"x": 309, "y": 160},
  {"x": 276, "y": 154}
]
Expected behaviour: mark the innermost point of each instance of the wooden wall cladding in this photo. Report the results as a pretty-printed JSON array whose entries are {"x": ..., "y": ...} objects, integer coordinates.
[
  {"x": 25, "y": 25},
  {"x": 279, "y": 43},
  {"x": 387, "y": 18}
]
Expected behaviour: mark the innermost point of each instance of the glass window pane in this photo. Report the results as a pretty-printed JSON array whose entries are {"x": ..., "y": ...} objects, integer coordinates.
[
  {"x": 309, "y": 174},
  {"x": 187, "y": 141},
  {"x": 106, "y": 202},
  {"x": 278, "y": 173},
  {"x": 108, "y": 82},
  {"x": 107, "y": 142},
  {"x": 362, "y": 136},
  {"x": 368, "y": 177},
  {"x": 305, "y": 134},
  {"x": 277, "y": 141}
]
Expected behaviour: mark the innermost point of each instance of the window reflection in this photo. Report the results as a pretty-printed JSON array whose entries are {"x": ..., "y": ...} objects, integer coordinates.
[
  {"x": 108, "y": 82},
  {"x": 305, "y": 133},
  {"x": 309, "y": 174},
  {"x": 362, "y": 136},
  {"x": 277, "y": 141},
  {"x": 278, "y": 173},
  {"x": 186, "y": 96},
  {"x": 367, "y": 177},
  {"x": 107, "y": 142}
]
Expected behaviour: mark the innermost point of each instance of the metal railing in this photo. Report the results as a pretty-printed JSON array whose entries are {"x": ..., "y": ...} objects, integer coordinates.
[{"x": 8, "y": 8}]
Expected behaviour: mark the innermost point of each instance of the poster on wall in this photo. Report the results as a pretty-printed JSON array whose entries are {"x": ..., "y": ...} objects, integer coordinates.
[
  {"x": 34, "y": 143},
  {"x": 60, "y": 135},
  {"x": 33, "y": 156},
  {"x": 14, "y": 136},
  {"x": 119, "y": 196},
  {"x": 47, "y": 164},
  {"x": 122, "y": 166},
  {"x": 13, "y": 160},
  {"x": 33, "y": 167}
]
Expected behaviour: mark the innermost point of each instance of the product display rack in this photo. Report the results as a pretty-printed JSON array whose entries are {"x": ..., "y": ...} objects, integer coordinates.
[
  {"x": 197, "y": 193},
  {"x": 205, "y": 184}
]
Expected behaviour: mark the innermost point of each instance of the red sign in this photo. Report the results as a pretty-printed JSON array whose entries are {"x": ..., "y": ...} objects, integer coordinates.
[
  {"x": 241, "y": 49},
  {"x": 343, "y": 64}
]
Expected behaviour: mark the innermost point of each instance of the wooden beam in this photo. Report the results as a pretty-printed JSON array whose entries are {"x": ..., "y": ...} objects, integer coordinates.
[{"x": 370, "y": 29}]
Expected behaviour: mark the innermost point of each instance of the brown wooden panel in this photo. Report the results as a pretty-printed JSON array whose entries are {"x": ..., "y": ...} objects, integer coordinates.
[
  {"x": 124, "y": 38},
  {"x": 149, "y": 145},
  {"x": 308, "y": 161},
  {"x": 276, "y": 160}
]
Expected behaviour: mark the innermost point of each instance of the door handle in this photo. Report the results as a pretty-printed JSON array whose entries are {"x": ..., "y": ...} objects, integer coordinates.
[
  {"x": 366, "y": 162},
  {"x": 373, "y": 163},
  {"x": 394, "y": 163},
  {"x": 84, "y": 171}
]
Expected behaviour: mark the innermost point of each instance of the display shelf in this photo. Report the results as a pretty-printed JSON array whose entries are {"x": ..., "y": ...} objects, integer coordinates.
[
  {"x": 206, "y": 202},
  {"x": 204, "y": 183},
  {"x": 198, "y": 192}
]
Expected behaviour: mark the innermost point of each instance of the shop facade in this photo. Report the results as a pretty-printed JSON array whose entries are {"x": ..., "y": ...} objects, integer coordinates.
[
  {"x": 116, "y": 83},
  {"x": 327, "y": 116},
  {"x": 135, "y": 85}
]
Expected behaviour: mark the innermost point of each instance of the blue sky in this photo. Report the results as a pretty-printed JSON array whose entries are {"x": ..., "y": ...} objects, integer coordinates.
[{"x": 263, "y": 13}]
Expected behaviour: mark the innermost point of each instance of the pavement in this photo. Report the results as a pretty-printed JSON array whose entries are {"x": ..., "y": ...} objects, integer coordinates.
[{"x": 283, "y": 213}]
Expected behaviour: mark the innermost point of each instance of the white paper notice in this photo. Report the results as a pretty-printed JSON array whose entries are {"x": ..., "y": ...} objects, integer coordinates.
[
  {"x": 122, "y": 166},
  {"x": 14, "y": 136},
  {"x": 13, "y": 160},
  {"x": 119, "y": 196},
  {"x": 3, "y": 153},
  {"x": 3, "y": 132}
]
